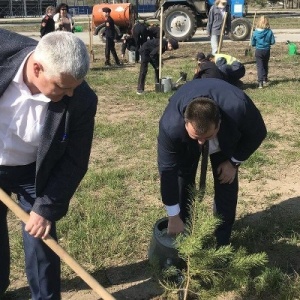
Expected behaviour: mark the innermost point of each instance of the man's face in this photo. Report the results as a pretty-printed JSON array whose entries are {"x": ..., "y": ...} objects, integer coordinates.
[
  {"x": 55, "y": 88},
  {"x": 210, "y": 134}
]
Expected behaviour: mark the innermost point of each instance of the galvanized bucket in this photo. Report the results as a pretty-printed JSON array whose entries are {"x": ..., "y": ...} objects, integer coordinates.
[
  {"x": 162, "y": 249},
  {"x": 131, "y": 57}
]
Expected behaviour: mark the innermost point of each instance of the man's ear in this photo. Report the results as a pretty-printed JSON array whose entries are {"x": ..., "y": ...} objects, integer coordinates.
[{"x": 37, "y": 68}]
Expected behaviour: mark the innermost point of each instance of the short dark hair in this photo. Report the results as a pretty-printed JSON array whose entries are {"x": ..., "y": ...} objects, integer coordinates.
[{"x": 202, "y": 112}]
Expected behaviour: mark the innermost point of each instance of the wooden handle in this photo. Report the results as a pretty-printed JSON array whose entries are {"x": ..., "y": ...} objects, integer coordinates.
[
  {"x": 51, "y": 243},
  {"x": 222, "y": 32}
]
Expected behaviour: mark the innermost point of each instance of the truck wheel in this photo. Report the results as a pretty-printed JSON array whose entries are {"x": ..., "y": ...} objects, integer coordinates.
[
  {"x": 240, "y": 29},
  {"x": 179, "y": 23},
  {"x": 102, "y": 38}
]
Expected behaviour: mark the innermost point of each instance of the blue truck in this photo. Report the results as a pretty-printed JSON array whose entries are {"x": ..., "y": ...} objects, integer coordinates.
[{"x": 181, "y": 18}]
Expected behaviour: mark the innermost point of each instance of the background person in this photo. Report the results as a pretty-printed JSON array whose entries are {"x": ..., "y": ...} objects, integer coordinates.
[
  {"x": 140, "y": 36},
  {"x": 230, "y": 66},
  {"x": 154, "y": 31},
  {"x": 206, "y": 110},
  {"x": 128, "y": 43},
  {"x": 110, "y": 34},
  {"x": 47, "y": 115},
  {"x": 262, "y": 39},
  {"x": 48, "y": 24},
  {"x": 63, "y": 20},
  {"x": 206, "y": 68},
  {"x": 150, "y": 54},
  {"x": 215, "y": 21}
]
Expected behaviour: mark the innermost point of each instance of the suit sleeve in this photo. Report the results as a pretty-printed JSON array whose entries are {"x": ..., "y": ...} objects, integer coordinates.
[
  {"x": 167, "y": 166},
  {"x": 253, "y": 132},
  {"x": 66, "y": 162}
]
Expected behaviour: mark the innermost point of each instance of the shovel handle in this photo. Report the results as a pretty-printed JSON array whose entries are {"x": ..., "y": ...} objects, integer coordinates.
[
  {"x": 56, "y": 248},
  {"x": 222, "y": 32}
]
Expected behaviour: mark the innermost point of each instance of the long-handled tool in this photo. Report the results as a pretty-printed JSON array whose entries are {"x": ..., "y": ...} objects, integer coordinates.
[
  {"x": 91, "y": 50},
  {"x": 51, "y": 243},
  {"x": 248, "y": 51},
  {"x": 222, "y": 32}
]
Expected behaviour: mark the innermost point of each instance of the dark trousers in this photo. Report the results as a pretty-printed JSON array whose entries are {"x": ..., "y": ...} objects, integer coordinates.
[
  {"x": 42, "y": 264},
  {"x": 143, "y": 74},
  {"x": 262, "y": 64},
  {"x": 225, "y": 199},
  {"x": 139, "y": 41},
  {"x": 110, "y": 48}
]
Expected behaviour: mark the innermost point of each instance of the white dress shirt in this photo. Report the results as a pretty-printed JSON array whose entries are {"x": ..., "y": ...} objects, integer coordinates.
[{"x": 22, "y": 117}]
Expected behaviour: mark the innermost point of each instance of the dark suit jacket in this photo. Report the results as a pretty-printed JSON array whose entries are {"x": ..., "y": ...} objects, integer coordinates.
[
  {"x": 241, "y": 131},
  {"x": 65, "y": 146}
]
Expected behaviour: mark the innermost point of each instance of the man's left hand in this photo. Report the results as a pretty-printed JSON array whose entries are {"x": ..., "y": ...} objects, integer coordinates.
[
  {"x": 37, "y": 226},
  {"x": 227, "y": 172}
]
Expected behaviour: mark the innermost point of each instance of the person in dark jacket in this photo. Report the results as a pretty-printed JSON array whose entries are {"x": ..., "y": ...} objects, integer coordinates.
[
  {"x": 154, "y": 31},
  {"x": 109, "y": 37},
  {"x": 150, "y": 54},
  {"x": 262, "y": 39},
  {"x": 232, "y": 69},
  {"x": 48, "y": 24},
  {"x": 214, "y": 23},
  {"x": 208, "y": 112},
  {"x": 128, "y": 43},
  {"x": 140, "y": 35},
  {"x": 206, "y": 68},
  {"x": 47, "y": 114}
]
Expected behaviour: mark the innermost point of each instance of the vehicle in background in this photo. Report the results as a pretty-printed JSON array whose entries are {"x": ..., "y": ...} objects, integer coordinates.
[{"x": 181, "y": 18}]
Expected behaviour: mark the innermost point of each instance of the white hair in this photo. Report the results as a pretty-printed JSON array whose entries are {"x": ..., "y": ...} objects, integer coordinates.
[{"x": 62, "y": 52}]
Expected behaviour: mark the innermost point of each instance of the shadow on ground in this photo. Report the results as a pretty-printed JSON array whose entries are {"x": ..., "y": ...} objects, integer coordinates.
[{"x": 275, "y": 231}]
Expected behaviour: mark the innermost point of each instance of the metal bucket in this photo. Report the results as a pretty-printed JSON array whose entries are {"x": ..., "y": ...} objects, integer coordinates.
[
  {"x": 161, "y": 249},
  {"x": 165, "y": 85},
  {"x": 131, "y": 56}
]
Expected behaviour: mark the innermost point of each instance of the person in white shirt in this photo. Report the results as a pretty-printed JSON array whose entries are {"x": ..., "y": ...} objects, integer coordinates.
[
  {"x": 46, "y": 127},
  {"x": 62, "y": 18}
]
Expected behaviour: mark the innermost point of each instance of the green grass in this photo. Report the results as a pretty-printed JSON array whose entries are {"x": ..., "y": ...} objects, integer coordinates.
[{"x": 112, "y": 214}]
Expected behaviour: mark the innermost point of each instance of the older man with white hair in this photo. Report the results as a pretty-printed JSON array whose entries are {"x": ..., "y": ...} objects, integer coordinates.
[{"x": 46, "y": 128}]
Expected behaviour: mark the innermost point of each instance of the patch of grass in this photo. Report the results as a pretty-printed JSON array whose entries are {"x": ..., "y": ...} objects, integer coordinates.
[{"x": 112, "y": 214}]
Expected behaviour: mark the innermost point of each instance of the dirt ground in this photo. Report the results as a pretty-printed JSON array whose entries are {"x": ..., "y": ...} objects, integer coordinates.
[{"x": 134, "y": 281}]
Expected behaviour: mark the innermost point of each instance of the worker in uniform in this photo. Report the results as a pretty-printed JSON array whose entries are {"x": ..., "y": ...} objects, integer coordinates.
[
  {"x": 140, "y": 36},
  {"x": 150, "y": 54},
  {"x": 110, "y": 37}
]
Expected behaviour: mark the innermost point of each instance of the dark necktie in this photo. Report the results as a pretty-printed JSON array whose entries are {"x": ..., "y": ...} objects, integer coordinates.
[{"x": 203, "y": 168}]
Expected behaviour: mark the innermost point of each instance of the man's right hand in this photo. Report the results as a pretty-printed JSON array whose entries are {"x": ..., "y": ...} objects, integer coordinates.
[{"x": 175, "y": 225}]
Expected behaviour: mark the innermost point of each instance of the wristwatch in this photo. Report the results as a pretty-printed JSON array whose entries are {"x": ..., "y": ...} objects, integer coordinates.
[{"x": 235, "y": 164}]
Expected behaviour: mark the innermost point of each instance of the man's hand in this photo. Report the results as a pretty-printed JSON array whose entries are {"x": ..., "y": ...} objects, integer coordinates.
[
  {"x": 175, "y": 225},
  {"x": 226, "y": 172},
  {"x": 37, "y": 226}
]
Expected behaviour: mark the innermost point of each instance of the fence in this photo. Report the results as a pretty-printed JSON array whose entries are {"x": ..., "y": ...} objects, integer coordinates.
[{"x": 24, "y": 8}]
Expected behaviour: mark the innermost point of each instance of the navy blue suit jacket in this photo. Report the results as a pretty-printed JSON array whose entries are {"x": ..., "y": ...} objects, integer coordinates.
[
  {"x": 242, "y": 129},
  {"x": 65, "y": 146}
]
